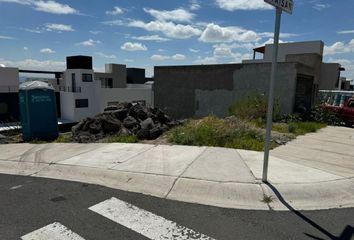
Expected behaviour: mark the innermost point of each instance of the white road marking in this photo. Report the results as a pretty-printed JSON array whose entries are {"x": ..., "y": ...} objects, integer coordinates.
[
  {"x": 144, "y": 222},
  {"x": 54, "y": 231}
]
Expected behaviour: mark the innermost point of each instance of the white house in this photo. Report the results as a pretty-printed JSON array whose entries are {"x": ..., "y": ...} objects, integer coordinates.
[
  {"x": 80, "y": 91},
  {"x": 85, "y": 93}
]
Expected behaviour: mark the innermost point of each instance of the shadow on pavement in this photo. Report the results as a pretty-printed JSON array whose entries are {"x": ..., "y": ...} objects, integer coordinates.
[{"x": 347, "y": 234}]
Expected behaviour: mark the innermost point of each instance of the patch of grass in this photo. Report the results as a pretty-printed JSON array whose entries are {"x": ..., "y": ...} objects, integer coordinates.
[
  {"x": 295, "y": 127},
  {"x": 301, "y": 128},
  {"x": 267, "y": 199},
  {"x": 213, "y": 131},
  {"x": 281, "y": 127},
  {"x": 63, "y": 138},
  {"x": 254, "y": 106},
  {"x": 120, "y": 139}
]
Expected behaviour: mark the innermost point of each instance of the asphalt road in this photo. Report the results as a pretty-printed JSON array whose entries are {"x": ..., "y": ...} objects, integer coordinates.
[{"x": 28, "y": 204}]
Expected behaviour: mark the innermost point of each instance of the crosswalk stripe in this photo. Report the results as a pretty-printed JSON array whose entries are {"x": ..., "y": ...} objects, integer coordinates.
[
  {"x": 146, "y": 223},
  {"x": 54, "y": 231}
]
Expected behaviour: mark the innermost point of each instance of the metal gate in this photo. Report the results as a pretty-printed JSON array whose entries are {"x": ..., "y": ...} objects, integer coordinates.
[{"x": 304, "y": 93}]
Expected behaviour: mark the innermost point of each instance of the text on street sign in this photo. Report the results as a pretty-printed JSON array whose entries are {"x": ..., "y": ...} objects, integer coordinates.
[{"x": 285, "y": 5}]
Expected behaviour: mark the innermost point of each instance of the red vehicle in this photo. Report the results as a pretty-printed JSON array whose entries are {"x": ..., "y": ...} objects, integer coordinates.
[{"x": 345, "y": 111}]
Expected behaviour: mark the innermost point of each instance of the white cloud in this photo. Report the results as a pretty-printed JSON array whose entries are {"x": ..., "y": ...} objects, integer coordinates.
[
  {"x": 89, "y": 43},
  {"x": 158, "y": 57},
  {"x": 25, "y": 48},
  {"x": 47, "y": 50},
  {"x": 347, "y": 64},
  {"x": 128, "y": 60},
  {"x": 114, "y": 23},
  {"x": 222, "y": 52},
  {"x": 106, "y": 56},
  {"x": 179, "y": 57},
  {"x": 129, "y": 46},
  {"x": 7, "y": 37},
  {"x": 170, "y": 29},
  {"x": 231, "y": 5},
  {"x": 194, "y": 5},
  {"x": 46, "y": 6},
  {"x": 22, "y": 2},
  {"x": 321, "y": 6},
  {"x": 282, "y": 35},
  {"x": 339, "y": 47},
  {"x": 346, "y": 32},
  {"x": 156, "y": 38},
  {"x": 206, "y": 60},
  {"x": 34, "y": 64},
  {"x": 115, "y": 11},
  {"x": 177, "y": 15},
  {"x": 95, "y": 32},
  {"x": 214, "y": 33},
  {"x": 193, "y": 50},
  {"x": 53, "y": 7},
  {"x": 33, "y": 30},
  {"x": 58, "y": 27}
]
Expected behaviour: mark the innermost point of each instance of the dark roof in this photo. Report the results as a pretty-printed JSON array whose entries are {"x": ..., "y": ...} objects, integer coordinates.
[{"x": 260, "y": 49}]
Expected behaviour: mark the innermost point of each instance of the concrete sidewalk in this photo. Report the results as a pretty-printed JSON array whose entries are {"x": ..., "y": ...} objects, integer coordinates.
[{"x": 316, "y": 171}]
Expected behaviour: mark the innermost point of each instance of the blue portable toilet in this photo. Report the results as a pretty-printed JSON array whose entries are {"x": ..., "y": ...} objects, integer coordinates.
[{"x": 38, "y": 111}]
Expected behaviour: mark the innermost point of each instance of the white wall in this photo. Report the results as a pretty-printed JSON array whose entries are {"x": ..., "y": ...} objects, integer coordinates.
[
  {"x": 289, "y": 48},
  {"x": 126, "y": 95},
  {"x": 9, "y": 79},
  {"x": 98, "y": 97},
  {"x": 67, "y": 105},
  {"x": 88, "y": 91},
  {"x": 293, "y": 48}
]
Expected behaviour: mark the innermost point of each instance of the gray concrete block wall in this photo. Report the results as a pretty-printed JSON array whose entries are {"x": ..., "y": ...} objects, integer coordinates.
[
  {"x": 198, "y": 91},
  {"x": 175, "y": 86},
  {"x": 255, "y": 79}
]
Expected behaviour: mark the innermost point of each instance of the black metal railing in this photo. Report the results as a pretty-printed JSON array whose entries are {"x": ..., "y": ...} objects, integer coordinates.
[
  {"x": 9, "y": 88},
  {"x": 70, "y": 89}
]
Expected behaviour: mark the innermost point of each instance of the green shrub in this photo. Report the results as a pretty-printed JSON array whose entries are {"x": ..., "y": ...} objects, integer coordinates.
[
  {"x": 322, "y": 115},
  {"x": 120, "y": 139},
  {"x": 253, "y": 107},
  {"x": 290, "y": 118},
  {"x": 212, "y": 131}
]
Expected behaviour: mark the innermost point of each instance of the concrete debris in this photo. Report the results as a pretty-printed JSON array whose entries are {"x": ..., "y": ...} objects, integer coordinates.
[{"x": 124, "y": 119}]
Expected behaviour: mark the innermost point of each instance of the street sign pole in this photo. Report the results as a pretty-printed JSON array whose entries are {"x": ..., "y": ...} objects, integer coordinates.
[{"x": 271, "y": 94}]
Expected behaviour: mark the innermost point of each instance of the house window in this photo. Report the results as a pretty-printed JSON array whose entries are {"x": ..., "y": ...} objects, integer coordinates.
[
  {"x": 107, "y": 83},
  {"x": 81, "y": 103},
  {"x": 3, "y": 108},
  {"x": 86, "y": 77}
]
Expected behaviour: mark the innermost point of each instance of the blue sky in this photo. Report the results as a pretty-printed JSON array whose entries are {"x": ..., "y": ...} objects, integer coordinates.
[{"x": 39, "y": 34}]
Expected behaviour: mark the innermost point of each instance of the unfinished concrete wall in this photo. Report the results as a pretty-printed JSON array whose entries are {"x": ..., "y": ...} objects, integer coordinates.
[
  {"x": 175, "y": 87},
  {"x": 216, "y": 102},
  {"x": 9, "y": 79},
  {"x": 314, "y": 61},
  {"x": 203, "y": 90},
  {"x": 255, "y": 79},
  {"x": 329, "y": 76}
]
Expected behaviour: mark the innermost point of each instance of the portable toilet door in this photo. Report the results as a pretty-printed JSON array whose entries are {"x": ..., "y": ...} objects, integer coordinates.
[{"x": 38, "y": 111}]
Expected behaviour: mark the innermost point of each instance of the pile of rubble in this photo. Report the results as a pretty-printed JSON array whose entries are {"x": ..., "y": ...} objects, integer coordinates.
[{"x": 124, "y": 119}]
